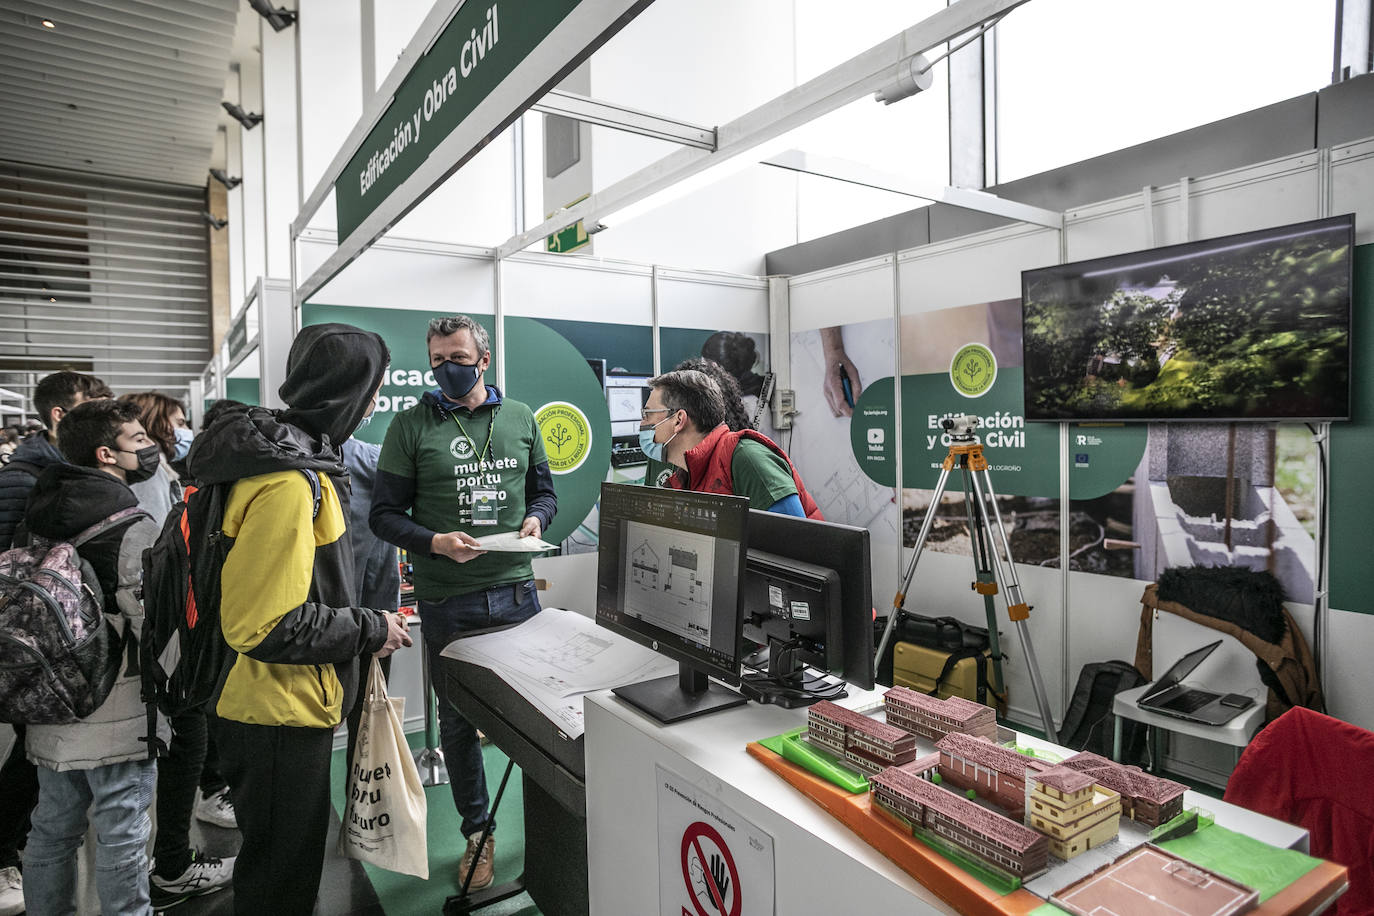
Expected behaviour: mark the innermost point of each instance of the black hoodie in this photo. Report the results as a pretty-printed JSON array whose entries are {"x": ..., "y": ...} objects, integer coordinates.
[{"x": 286, "y": 651}]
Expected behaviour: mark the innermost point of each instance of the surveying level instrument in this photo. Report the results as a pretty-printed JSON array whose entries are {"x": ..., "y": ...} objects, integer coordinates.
[{"x": 985, "y": 534}]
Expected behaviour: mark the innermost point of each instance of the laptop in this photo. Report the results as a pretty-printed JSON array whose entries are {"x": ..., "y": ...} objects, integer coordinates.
[{"x": 1169, "y": 697}]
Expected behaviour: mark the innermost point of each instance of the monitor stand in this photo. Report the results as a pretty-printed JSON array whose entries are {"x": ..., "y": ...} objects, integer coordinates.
[{"x": 671, "y": 699}]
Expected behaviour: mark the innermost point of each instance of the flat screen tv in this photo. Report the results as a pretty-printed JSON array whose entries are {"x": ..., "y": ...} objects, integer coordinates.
[{"x": 1253, "y": 326}]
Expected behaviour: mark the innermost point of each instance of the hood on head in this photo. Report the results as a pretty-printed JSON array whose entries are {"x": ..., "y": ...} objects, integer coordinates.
[{"x": 331, "y": 372}]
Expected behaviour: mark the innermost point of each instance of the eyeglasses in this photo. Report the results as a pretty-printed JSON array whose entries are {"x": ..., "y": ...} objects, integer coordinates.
[{"x": 644, "y": 414}]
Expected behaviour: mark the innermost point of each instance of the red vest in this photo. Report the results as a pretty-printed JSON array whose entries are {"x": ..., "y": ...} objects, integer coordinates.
[{"x": 708, "y": 466}]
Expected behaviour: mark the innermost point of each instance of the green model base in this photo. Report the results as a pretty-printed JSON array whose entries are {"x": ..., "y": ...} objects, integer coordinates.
[
  {"x": 791, "y": 746},
  {"x": 1001, "y": 882}
]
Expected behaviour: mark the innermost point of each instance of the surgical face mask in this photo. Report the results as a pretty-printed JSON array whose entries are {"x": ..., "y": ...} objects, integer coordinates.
[
  {"x": 455, "y": 379},
  {"x": 182, "y": 447},
  {"x": 149, "y": 457},
  {"x": 364, "y": 421},
  {"x": 648, "y": 446}
]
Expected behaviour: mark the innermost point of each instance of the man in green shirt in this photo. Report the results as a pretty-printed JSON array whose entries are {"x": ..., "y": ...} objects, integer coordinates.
[
  {"x": 462, "y": 463},
  {"x": 684, "y": 426}
]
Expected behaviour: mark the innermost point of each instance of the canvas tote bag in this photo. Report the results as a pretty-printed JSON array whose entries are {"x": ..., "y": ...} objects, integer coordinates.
[{"x": 384, "y": 822}]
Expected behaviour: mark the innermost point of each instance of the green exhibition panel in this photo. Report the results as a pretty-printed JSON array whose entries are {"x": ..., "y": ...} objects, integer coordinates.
[
  {"x": 244, "y": 390},
  {"x": 1023, "y": 457},
  {"x": 1352, "y": 444}
]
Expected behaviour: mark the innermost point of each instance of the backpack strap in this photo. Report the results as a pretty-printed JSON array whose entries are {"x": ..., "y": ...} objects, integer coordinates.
[
  {"x": 114, "y": 521},
  {"x": 315, "y": 492}
]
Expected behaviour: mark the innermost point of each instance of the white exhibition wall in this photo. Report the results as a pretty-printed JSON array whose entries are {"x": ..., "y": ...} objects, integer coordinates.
[{"x": 1078, "y": 617}]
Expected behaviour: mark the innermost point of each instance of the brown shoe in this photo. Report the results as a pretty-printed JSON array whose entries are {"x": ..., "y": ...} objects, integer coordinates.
[{"x": 482, "y": 876}]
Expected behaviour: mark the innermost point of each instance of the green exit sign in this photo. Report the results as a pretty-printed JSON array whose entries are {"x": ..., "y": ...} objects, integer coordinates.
[{"x": 569, "y": 239}]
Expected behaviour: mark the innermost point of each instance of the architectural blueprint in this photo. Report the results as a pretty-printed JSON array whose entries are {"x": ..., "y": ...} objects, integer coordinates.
[{"x": 668, "y": 579}]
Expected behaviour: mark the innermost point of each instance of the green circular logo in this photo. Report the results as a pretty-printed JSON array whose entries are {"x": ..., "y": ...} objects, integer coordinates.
[
  {"x": 567, "y": 435},
  {"x": 973, "y": 370},
  {"x": 460, "y": 448}
]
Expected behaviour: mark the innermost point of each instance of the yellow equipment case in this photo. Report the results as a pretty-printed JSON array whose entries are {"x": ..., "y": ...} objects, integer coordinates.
[{"x": 920, "y": 667}]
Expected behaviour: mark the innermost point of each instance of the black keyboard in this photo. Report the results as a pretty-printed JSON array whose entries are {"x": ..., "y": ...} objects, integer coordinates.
[{"x": 1191, "y": 701}]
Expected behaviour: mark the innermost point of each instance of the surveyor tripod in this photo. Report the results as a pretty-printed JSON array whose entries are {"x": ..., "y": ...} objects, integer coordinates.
[{"x": 966, "y": 454}]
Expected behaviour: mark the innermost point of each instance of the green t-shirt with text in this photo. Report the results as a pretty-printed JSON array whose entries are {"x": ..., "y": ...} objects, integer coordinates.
[{"x": 450, "y": 458}]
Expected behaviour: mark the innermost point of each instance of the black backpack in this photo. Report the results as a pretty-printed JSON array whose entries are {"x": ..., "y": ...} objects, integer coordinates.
[
  {"x": 1089, "y": 723},
  {"x": 183, "y": 652},
  {"x": 59, "y": 653}
]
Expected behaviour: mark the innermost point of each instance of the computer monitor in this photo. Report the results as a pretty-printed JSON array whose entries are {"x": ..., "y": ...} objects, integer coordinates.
[
  {"x": 598, "y": 367},
  {"x": 625, "y": 398},
  {"x": 808, "y": 596},
  {"x": 669, "y": 569}
]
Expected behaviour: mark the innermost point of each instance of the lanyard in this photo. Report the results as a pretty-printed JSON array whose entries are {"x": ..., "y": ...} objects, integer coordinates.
[{"x": 491, "y": 432}]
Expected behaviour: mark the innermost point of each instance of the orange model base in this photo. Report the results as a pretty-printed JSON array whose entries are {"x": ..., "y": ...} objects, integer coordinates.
[{"x": 1311, "y": 893}]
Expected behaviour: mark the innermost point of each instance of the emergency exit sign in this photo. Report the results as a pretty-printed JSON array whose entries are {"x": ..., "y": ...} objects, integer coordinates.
[{"x": 569, "y": 239}]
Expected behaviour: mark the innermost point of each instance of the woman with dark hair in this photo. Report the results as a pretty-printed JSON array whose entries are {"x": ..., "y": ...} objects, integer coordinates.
[
  {"x": 738, "y": 354},
  {"x": 185, "y": 785},
  {"x": 736, "y": 417},
  {"x": 164, "y": 419}
]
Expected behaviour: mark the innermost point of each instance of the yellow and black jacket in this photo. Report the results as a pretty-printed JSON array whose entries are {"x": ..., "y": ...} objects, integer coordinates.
[{"x": 287, "y": 593}]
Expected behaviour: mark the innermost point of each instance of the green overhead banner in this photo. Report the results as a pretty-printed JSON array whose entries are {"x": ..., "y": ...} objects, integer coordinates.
[{"x": 481, "y": 46}]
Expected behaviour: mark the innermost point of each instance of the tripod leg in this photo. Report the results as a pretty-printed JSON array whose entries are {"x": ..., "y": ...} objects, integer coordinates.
[
  {"x": 985, "y": 583},
  {"x": 1017, "y": 609},
  {"x": 900, "y": 599}
]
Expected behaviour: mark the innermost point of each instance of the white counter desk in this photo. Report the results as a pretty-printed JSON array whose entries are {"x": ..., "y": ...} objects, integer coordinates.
[{"x": 821, "y": 867}]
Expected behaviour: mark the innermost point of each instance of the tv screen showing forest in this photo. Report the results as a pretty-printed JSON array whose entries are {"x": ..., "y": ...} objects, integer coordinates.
[{"x": 1246, "y": 327}]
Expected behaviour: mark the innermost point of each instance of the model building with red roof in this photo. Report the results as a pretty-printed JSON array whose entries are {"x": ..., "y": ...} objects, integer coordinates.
[
  {"x": 867, "y": 743},
  {"x": 1072, "y": 810},
  {"x": 933, "y": 718},
  {"x": 994, "y": 772},
  {"x": 1146, "y": 799},
  {"x": 997, "y": 841}
]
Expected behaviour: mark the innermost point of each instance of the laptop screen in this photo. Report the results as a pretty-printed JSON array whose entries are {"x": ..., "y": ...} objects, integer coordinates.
[{"x": 1182, "y": 668}]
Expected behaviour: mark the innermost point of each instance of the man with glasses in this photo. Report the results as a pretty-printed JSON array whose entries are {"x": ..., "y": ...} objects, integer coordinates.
[
  {"x": 684, "y": 426},
  {"x": 464, "y": 462}
]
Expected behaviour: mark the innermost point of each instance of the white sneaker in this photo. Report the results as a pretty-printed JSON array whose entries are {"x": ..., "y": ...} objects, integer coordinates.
[
  {"x": 204, "y": 875},
  {"x": 217, "y": 809},
  {"x": 11, "y": 891}
]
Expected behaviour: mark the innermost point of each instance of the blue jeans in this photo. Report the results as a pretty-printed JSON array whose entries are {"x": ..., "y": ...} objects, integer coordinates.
[
  {"x": 441, "y": 622},
  {"x": 118, "y": 796}
]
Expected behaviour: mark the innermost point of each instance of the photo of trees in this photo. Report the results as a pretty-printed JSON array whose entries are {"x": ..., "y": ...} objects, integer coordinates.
[{"x": 1252, "y": 326}]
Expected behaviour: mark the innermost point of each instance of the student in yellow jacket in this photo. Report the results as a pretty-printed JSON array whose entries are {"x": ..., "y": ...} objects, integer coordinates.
[{"x": 286, "y": 609}]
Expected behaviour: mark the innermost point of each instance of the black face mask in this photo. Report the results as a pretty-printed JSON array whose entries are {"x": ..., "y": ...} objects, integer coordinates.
[
  {"x": 149, "y": 457},
  {"x": 455, "y": 379}
]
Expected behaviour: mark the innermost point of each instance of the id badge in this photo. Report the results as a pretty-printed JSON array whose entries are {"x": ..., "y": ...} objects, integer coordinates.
[{"x": 484, "y": 507}]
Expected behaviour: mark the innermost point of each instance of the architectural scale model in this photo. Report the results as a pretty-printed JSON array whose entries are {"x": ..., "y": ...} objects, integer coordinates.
[
  {"x": 997, "y": 841},
  {"x": 1072, "y": 810},
  {"x": 933, "y": 718},
  {"x": 868, "y": 744},
  {"x": 1149, "y": 880},
  {"x": 994, "y": 772},
  {"x": 1146, "y": 799}
]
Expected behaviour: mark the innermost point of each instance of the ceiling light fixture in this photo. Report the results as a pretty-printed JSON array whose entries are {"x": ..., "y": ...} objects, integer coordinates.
[
  {"x": 278, "y": 18},
  {"x": 223, "y": 178},
  {"x": 48, "y": 24},
  {"x": 248, "y": 119}
]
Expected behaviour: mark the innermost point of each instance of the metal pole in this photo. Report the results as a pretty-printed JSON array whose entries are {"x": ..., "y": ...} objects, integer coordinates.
[
  {"x": 429, "y": 760},
  {"x": 1017, "y": 609},
  {"x": 900, "y": 598},
  {"x": 985, "y": 583}
]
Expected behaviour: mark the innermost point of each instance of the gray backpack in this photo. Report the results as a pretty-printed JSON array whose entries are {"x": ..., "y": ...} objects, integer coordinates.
[{"x": 59, "y": 653}]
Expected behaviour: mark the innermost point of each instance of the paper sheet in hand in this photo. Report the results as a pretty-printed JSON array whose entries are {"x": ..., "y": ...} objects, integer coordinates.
[
  {"x": 555, "y": 657},
  {"x": 512, "y": 542}
]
